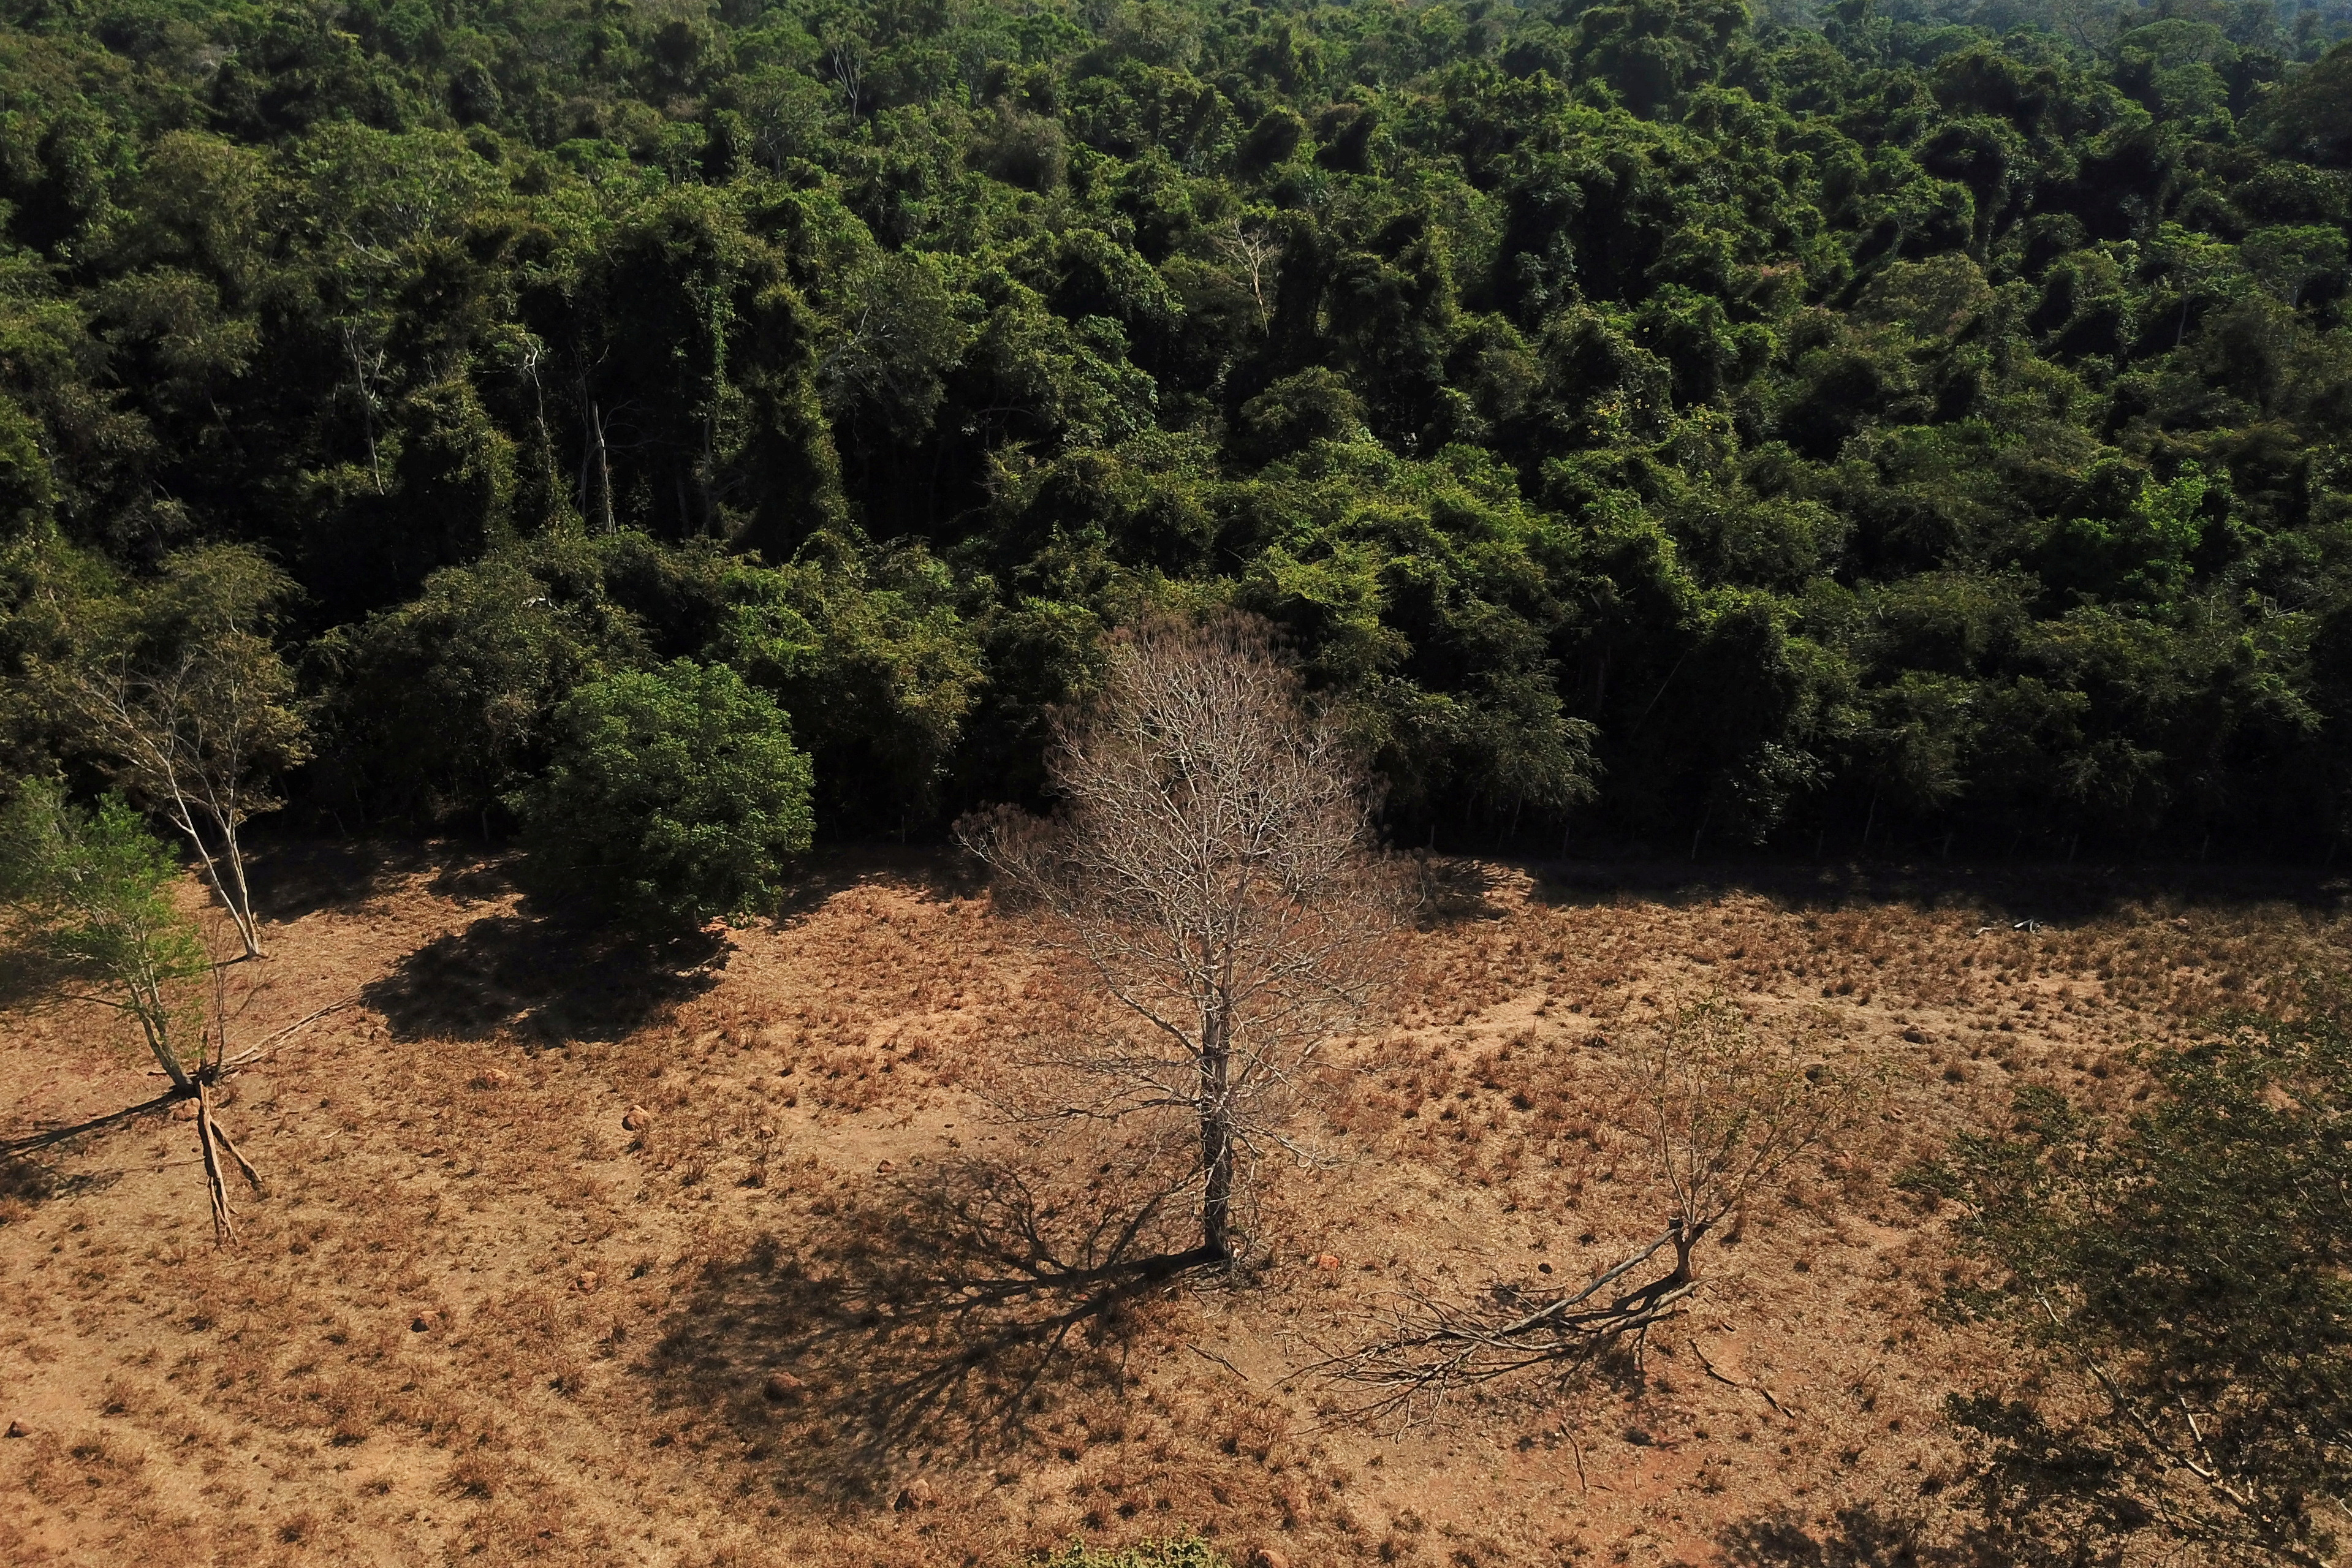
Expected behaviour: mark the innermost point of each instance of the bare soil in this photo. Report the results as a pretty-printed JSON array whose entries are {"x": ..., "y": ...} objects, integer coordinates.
[{"x": 478, "y": 1318}]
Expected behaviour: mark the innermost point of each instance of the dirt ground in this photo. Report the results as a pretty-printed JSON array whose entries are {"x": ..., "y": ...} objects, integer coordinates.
[{"x": 478, "y": 1318}]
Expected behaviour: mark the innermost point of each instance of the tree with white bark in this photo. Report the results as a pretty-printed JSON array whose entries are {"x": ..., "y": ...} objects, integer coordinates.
[{"x": 182, "y": 692}]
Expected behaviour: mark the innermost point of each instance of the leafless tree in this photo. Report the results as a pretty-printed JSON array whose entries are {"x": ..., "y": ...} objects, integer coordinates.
[
  {"x": 1258, "y": 251},
  {"x": 368, "y": 374},
  {"x": 1212, "y": 865},
  {"x": 1724, "y": 1112},
  {"x": 845, "y": 60}
]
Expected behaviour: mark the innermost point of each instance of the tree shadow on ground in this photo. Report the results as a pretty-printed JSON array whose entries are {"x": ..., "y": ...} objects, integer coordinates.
[
  {"x": 27, "y": 1181},
  {"x": 292, "y": 876},
  {"x": 921, "y": 1322},
  {"x": 2006, "y": 892},
  {"x": 24, "y": 1182},
  {"x": 1445, "y": 891},
  {"x": 1864, "y": 1536},
  {"x": 540, "y": 975},
  {"x": 935, "y": 870},
  {"x": 27, "y": 975}
]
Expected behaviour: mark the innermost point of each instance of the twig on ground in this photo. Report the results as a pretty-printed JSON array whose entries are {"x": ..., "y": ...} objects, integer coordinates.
[
  {"x": 1715, "y": 1373},
  {"x": 1221, "y": 1361}
]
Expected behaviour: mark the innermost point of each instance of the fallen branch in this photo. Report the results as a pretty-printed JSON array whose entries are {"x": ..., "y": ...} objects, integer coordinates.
[
  {"x": 250, "y": 1053},
  {"x": 244, "y": 1167},
  {"x": 1221, "y": 1361},
  {"x": 1712, "y": 1371},
  {"x": 211, "y": 1140},
  {"x": 209, "y": 1143},
  {"x": 1433, "y": 1348}
]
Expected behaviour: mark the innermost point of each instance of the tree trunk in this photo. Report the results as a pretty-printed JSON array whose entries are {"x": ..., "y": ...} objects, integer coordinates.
[
  {"x": 1216, "y": 1147},
  {"x": 1217, "y": 1201},
  {"x": 224, "y": 1221},
  {"x": 1686, "y": 1236},
  {"x": 151, "y": 1013},
  {"x": 183, "y": 816},
  {"x": 249, "y": 926},
  {"x": 367, "y": 405},
  {"x": 602, "y": 461}
]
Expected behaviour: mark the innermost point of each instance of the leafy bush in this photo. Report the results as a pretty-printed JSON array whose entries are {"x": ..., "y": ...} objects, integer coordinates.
[
  {"x": 674, "y": 796},
  {"x": 442, "y": 707}
]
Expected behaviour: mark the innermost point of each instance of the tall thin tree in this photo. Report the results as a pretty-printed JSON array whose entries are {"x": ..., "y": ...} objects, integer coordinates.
[{"x": 185, "y": 696}]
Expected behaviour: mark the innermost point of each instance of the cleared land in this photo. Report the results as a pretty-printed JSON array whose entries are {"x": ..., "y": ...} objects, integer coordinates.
[{"x": 480, "y": 1320}]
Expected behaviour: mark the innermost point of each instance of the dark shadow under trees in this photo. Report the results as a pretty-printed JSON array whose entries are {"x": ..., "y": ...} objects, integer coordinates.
[
  {"x": 1861, "y": 1536},
  {"x": 541, "y": 975},
  {"x": 2044, "y": 893},
  {"x": 295, "y": 875},
  {"x": 927, "y": 1320}
]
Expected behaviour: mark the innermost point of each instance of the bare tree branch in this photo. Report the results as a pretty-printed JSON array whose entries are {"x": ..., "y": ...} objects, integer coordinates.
[
  {"x": 1724, "y": 1115},
  {"x": 195, "y": 709}
]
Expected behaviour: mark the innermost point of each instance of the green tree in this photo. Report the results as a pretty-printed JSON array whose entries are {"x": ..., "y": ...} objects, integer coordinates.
[
  {"x": 2180, "y": 1281},
  {"x": 2312, "y": 118},
  {"x": 2291, "y": 259},
  {"x": 93, "y": 891},
  {"x": 674, "y": 797},
  {"x": 25, "y": 490},
  {"x": 870, "y": 657},
  {"x": 442, "y": 708}
]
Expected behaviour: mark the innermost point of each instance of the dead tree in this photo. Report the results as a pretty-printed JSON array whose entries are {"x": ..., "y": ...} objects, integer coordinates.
[
  {"x": 1724, "y": 1115},
  {"x": 1258, "y": 251},
  {"x": 1213, "y": 866}
]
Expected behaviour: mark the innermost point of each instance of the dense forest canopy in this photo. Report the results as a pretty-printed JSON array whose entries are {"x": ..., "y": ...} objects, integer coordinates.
[{"x": 1914, "y": 423}]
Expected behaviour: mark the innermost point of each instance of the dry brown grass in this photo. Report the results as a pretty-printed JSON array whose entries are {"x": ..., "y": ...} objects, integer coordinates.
[{"x": 480, "y": 1321}]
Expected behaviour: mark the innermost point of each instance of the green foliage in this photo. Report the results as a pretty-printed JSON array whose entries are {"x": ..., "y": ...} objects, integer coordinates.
[
  {"x": 1793, "y": 427},
  {"x": 874, "y": 662},
  {"x": 442, "y": 707},
  {"x": 25, "y": 489},
  {"x": 92, "y": 890},
  {"x": 2312, "y": 117},
  {"x": 177, "y": 689},
  {"x": 2186, "y": 1275},
  {"x": 2142, "y": 554},
  {"x": 185, "y": 662},
  {"x": 674, "y": 797}
]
